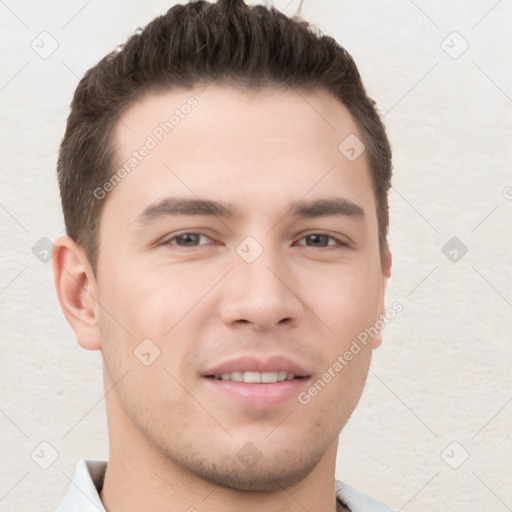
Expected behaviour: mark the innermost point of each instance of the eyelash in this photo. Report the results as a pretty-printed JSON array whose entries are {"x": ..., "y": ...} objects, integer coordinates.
[{"x": 338, "y": 243}]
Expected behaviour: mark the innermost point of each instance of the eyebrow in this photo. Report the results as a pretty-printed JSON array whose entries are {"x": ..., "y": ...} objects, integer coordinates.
[
  {"x": 171, "y": 206},
  {"x": 330, "y": 207},
  {"x": 186, "y": 206}
]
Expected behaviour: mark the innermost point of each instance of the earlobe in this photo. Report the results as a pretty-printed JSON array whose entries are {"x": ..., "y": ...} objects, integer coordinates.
[{"x": 77, "y": 291}]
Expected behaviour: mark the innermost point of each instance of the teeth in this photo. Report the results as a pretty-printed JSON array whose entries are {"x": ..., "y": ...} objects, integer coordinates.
[
  {"x": 269, "y": 377},
  {"x": 256, "y": 377},
  {"x": 252, "y": 377}
]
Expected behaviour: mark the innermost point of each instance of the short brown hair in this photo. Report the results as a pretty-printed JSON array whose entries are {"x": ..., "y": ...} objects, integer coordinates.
[{"x": 193, "y": 44}]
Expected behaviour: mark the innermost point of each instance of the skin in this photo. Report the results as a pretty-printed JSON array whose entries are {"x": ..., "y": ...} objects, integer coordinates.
[{"x": 173, "y": 439}]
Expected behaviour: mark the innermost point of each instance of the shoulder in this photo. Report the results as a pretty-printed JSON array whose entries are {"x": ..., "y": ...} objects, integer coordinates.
[{"x": 357, "y": 501}]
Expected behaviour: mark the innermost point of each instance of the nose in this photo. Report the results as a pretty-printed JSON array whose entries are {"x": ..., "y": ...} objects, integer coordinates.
[{"x": 261, "y": 295}]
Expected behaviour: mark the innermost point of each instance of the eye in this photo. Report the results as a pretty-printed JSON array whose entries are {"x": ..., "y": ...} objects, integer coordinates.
[
  {"x": 188, "y": 240},
  {"x": 321, "y": 240}
]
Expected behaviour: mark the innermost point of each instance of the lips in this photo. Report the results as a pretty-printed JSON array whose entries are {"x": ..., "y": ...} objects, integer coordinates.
[
  {"x": 252, "y": 369},
  {"x": 255, "y": 382},
  {"x": 256, "y": 377}
]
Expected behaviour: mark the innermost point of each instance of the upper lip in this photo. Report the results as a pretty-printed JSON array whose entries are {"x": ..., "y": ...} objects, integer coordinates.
[{"x": 248, "y": 363}]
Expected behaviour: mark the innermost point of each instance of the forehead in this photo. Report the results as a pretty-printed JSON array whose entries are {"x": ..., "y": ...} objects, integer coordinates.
[
  {"x": 237, "y": 145},
  {"x": 217, "y": 112}
]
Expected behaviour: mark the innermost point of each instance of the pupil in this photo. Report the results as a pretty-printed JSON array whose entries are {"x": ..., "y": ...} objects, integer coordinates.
[
  {"x": 189, "y": 239},
  {"x": 318, "y": 238}
]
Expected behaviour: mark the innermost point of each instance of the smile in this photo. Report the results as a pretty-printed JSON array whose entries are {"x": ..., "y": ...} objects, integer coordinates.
[{"x": 256, "y": 377}]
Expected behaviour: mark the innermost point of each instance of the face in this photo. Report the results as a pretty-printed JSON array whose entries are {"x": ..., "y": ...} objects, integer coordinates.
[{"x": 242, "y": 246}]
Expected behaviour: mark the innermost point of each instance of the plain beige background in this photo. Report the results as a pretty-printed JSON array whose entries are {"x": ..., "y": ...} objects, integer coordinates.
[{"x": 433, "y": 429}]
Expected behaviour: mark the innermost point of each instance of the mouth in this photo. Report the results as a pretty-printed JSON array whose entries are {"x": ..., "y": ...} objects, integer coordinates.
[
  {"x": 250, "y": 377},
  {"x": 256, "y": 382}
]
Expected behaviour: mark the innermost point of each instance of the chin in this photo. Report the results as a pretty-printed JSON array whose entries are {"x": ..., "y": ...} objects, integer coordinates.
[
  {"x": 266, "y": 479},
  {"x": 271, "y": 472}
]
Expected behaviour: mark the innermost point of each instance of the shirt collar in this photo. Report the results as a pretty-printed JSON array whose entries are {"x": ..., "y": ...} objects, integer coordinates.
[{"x": 83, "y": 493}]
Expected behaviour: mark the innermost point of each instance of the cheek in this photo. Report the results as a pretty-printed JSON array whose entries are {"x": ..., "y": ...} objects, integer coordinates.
[
  {"x": 346, "y": 299},
  {"x": 149, "y": 303},
  {"x": 151, "y": 313}
]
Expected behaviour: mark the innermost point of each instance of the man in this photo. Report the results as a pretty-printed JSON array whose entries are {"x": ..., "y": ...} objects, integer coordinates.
[{"x": 224, "y": 183}]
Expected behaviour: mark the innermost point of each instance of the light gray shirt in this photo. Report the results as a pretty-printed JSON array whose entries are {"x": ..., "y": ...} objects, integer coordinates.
[{"x": 83, "y": 494}]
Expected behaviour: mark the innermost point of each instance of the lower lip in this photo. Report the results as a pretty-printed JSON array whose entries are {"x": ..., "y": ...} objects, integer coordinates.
[{"x": 258, "y": 395}]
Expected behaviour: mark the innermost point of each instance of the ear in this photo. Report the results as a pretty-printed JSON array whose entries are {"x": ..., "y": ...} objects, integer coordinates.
[
  {"x": 386, "y": 261},
  {"x": 77, "y": 291}
]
